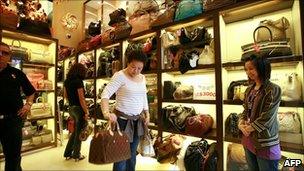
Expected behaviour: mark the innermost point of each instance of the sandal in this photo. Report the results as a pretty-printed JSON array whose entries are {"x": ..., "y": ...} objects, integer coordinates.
[{"x": 81, "y": 157}]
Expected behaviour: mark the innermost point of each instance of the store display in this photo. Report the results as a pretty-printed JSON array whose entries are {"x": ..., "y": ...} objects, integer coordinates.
[{"x": 109, "y": 147}]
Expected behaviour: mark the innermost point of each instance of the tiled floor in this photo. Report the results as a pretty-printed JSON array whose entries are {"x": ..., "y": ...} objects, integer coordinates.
[{"x": 52, "y": 159}]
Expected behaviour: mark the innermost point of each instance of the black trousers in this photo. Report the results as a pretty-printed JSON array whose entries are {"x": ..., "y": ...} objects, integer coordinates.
[{"x": 11, "y": 140}]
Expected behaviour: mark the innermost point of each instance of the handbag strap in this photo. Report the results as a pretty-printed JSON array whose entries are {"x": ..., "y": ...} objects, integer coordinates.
[
  {"x": 16, "y": 41},
  {"x": 255, "y": 31}
]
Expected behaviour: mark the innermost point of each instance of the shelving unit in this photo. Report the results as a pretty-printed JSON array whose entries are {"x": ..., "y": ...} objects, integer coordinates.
[
  {"x": 47, "y": 67},
  {"x": 231, "y": 27}
]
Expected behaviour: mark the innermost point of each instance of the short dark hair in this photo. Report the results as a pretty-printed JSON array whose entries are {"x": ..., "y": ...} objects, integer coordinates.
[
  {"x": 262, "y": 66},
  {"x": 77, "y": 70},
  {"x": 136, "y": 55}
]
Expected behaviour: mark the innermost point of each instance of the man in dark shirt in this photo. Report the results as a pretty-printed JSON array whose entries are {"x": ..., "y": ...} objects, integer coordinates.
[{"x": 12, "y": 109}]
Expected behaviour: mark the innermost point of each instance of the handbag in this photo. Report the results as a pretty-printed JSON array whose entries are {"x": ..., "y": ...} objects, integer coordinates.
[
  {"x": 178, "y": 115},
  {"x": 147, "y": 5},
  {"x": 207, "y": 55},
  {"x": 198, "y": 125},
  {"x": 215, "y": 4},
  {"x": 231, "y": 126},
  {"x": 169, "y": 39},
  {"x": 109, "y": 146},
  {"x": 166, "y": 17},
  {"x": 145, "y": 147},
  {"x": 8, "y": 18},
  {"x": 140, "y": 21},
  {"x": 289, "y": 122},
  {"x": 34, "y": 27},
  {"x": 117, "y": 16},
  {"x": 19, "y": 51},
  {"x": 278, "y": 29},
  {"x": 121, "y": 30},
  {"x": 292, "y": 89},
  {"x": 41, "y": 56},
  {"x": 40, "y": 109},
  {"x": 183, "y": 12},
  {"x": 94, "y": 28},
  {"x": 268, "y": 48},
  {"x": 236, "y": 153},
  {"x": 45, "y": 85},
  {"x": 232, "y": 89},
  {"x": 106, "y": 36},
  {"x": 196, "y": 154},
  {"x": 183, "y": 92},
  {"x": 34, "y": 78}
]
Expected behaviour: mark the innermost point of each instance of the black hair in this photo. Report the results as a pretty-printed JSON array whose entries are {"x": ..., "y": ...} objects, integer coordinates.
[
  {"x": 262, "y": 65},
  {"x": 4, "y": 44},
  {"x": 77, "y": 70},
  {"x": 136, "y": 55}
]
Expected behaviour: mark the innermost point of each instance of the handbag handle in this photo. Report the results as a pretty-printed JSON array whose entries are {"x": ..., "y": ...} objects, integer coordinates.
[
  {"x": 38, "y": 98},
  {"x": 254, "y": 33},
  {"x": 16, "y": 41},
  {"x": 109, "y": 128}
]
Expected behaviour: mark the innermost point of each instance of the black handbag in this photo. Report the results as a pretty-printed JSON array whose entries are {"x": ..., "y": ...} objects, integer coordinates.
[
  {"x": 95, "y": 28},
  {"x": 117, "y": 16},
  {"x": 232, "y": 85},
  {"x": 19, "y": 51},
  {"x": 231, "y": 126},
  {"x": 177, "y": 116},
  {"x": 195, "y": 155},
  {"x": 34, "y": 27}
]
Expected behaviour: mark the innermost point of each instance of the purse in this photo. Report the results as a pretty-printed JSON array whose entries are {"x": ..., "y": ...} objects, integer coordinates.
[
  {"x": 106, "y": 36},
  {"x": 117, "y": 16},
  {"x": 166, "y": 17},
  {"x": 289, "y": 122},
  {"x": 8, "y": 18},
  {"x": 292, "y": 89},
  {"x": 94, "y": 28},
  {"x": 34, "y": 78},
  {"x": 40, "y": 56},
  {"x": 231, "y": 126},
  {"x": 215, "y": 4},
  {"x": 183, "y": 92},
  {"x": 140, "y": 21},
  {"x": 45, "y": 85},
  {"x": 19, "y": 51},
  {"x": 121, "y": 30},
  {"x": 268, "y": 48},
  {"x": 183, "y": 12},
  {"x": 169, "y": 39},
  {"x": 278, "y": 29},
  {"x": 145, "y": 147},
  {"x": 40, "y": 109},
  {"x": 178, "y": 115},
  {"x": 198, "y": 125},
  {"x": 109, "y": 146}
]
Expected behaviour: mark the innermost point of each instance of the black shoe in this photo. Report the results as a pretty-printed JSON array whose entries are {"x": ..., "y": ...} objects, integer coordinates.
[{"x": 81, "y": 157}]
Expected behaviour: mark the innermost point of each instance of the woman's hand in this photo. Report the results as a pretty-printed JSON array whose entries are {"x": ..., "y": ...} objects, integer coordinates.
[
  {"x": 112, "y": 118},
  {"x": 147, "y": 119},
  {"x": 242, "y": 127},
  {"x": 249, "y": 128}
]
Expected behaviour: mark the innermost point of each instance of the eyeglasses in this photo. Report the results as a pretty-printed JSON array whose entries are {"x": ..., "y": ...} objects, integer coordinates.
[{"x": 4, "y": 53}]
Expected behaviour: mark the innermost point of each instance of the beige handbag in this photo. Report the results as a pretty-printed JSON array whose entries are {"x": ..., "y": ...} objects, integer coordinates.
[
  {"x": 140, "y": 21},
  {"x": 278, "y": 29},
  {"x": 289, "y": 122},
  {"x": 42, "y": 55},
  {"x": 169, "y": 39},
  {"x": 236, "y": 153},
  {"x": 40, "y": 109},
  {"x": 292, "y": 88}
]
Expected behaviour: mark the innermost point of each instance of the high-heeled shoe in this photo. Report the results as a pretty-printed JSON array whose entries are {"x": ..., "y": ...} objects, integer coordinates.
[{"x": 81, "y": 157}]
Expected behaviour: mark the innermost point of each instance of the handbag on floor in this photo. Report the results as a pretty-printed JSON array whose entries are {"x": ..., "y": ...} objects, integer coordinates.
[{"x": 108, "y": 146}]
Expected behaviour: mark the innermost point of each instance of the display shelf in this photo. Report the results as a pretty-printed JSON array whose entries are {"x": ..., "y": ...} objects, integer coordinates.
[
  {"x": 291, "y": 147},
  {"x": 195, "y": 70},
  {"x": 211, "y": 134},
  {"x": 47, "y": 91},
  {"x": 190, "y": 101},
  {"x": 280, "y": 59},
  {"x": 19, "y": 35},
  {"x": 189, "y": 45},
  {"x": 154, "y": 127},
  {"x": 141, "y": 35},
  {"x": 150, "y": 72},
  {"x": 250, "y": 9},
  {"x": 41, "y": 118},
  {"x": 282, "y": 104},
  {"x": 37, "y": 65}
]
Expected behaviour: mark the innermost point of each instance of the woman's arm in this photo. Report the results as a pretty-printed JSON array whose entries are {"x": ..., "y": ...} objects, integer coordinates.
[{"x": 83, "y": 104}]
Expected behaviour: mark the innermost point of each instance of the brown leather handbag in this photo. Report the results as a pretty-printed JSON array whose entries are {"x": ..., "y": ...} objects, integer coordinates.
[
  {"x": 121, "y": 31},
  {"x": 106, "y": 36},
  {"x": 109, "y": 146},
  {"x": 199, "y": 125},
  {"x": 166, "y": 17}
]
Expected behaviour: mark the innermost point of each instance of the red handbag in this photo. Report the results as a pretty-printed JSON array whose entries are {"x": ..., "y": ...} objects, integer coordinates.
[
  {"x": 198, "y": 125},
  {"x": 109, "y": 146}
]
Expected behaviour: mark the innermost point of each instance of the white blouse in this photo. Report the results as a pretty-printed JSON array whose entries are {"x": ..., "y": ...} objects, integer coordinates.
[{"x": 131, "y": 96}]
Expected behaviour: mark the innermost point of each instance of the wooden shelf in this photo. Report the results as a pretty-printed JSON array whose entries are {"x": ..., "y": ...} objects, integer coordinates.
[
  {"x": 150, "y": 72},
  {"x": 40, "y": 118},
  {"x": 290, "y": 147},
  {"x": 141, "y": 35},
  {"x": 282, "y": 104},
  {"x": 154, "y": 127},
  {"x": 191, "y": 71},
  {"x": 19, "y": 35},
  {"x": 280, "y": 59},
  {"x": 47, "y": 91},
  {"x": 188, "y": 45},
  {"x": 37, "y": 65},
  {"x": 190, "y": 101},
  {"x": 250, "y": 9},
  {"x": 209, "y": 135}
]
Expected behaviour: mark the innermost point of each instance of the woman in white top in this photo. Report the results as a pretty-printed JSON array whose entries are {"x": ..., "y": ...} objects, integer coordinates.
[{"x": 131, "y": 109}]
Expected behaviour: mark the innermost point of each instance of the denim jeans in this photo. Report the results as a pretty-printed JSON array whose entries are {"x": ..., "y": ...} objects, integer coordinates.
[
  {"x": 11, "y": 140},
  {"x": 74, "y": 144},
  {"x": 128, "y": 165},
  {"x": 259, "y": 164}
]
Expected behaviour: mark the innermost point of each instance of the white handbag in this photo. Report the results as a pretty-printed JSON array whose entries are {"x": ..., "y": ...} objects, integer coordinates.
[
  {"x": 145, "y": 147},
  {"x": 41, "y": 56},
  {"x": 289, "y": 122},
  {"x": 292, "y": 88},
  {"x": 40, "y": 109},
  {"x": 207, "y": 55}
]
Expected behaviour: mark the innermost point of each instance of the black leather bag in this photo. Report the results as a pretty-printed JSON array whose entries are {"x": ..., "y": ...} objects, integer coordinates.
[
  {"x": 117, "y": 16},
  {"x": 194, "y": 157},
  {"x": 231, "y": 126},
  {"x": 95, "y": 28},
  {"x": 211, "y": 159},
  {"x": 34, "y": 27},
  {"x": 185, "y": 36}
]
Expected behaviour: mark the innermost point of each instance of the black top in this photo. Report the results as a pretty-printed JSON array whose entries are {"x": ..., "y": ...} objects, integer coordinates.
[
  {"x": 13, "y": 80},
  {"x": 71, "y": 88}
]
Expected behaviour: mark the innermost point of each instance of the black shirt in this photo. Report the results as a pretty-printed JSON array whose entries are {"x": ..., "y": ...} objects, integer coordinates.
[
  {"x": 12, "y": 81},
  {"x": 71, "y": 88}
]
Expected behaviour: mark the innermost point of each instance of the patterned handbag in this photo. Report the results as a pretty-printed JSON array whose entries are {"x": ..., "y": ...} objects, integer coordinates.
[
  {"x": 40, "y": 109},
  {"x": 198, "y": 125},
  {"x": 109, "y": 146}
]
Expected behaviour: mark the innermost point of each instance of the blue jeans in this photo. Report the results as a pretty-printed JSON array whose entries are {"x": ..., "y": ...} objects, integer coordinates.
[
  {"x": 128, "y": 165},
  {"x": 259, "y": 164},
  {"x": 74, "y": 144}
]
